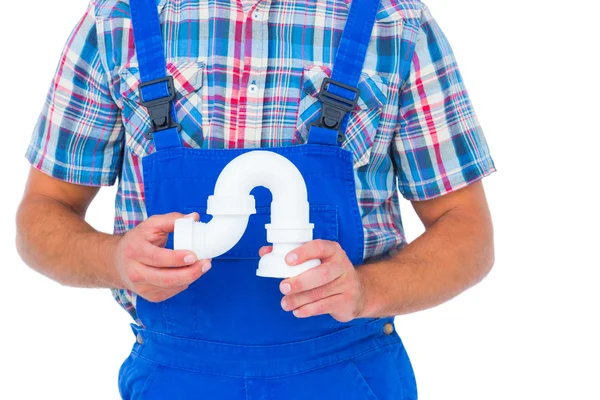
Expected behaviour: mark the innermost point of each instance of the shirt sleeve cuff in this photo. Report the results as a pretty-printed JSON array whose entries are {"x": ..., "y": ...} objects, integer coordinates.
[
  {"x": 86, "y": 176},
  {"x": 449, "y": 182}
]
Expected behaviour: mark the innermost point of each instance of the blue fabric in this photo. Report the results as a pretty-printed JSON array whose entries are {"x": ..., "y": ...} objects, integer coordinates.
[
  {"x": 169, "y": 138},
  {"x": 149, "y": 47},
  {"x": 323, "y": 136},
  {"x": 353, "y": 46},
  {"x": 226, "y": 336},
  {"x": 351, "y": 54},
  {"x": 231, "y": 295},
  {"x": 358, "y": 363},
  {"x": 152, "y": 64}
]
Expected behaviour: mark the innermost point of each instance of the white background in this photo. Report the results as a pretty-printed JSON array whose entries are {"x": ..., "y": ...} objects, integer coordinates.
[{"x": 529, "y": 331}]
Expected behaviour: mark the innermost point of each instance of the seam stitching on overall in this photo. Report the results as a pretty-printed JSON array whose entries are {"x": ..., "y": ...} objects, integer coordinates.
[
  {"x": 150, "y": 379},
  {"x": 363, "y": 380},
  {"x": 397, "y": 369},
  {"x": 341, "y": 360},
  {"x": 262, "y": 346}
]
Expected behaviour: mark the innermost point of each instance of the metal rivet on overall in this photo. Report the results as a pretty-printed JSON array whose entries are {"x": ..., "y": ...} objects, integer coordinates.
[
  {"x": 388, "y": 328},
  {"x": 139, "y": 339}
]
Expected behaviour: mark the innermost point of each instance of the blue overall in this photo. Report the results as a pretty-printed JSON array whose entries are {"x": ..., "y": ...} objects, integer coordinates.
[{"x": 226, "y": 336}]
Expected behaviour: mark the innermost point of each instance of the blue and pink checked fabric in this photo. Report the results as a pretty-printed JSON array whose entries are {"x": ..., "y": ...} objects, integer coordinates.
[{"x": 247, "y": 74}]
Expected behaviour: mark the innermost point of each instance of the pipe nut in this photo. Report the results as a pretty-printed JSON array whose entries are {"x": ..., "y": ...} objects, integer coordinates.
[
  {"x": 183, "y": 234},
  {"x": 279, "y": 234}
]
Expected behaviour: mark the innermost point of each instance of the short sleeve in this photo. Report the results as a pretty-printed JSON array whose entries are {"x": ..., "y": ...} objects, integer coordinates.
[
  {"x": 79, "y": 135},
  {"x": 439, "y": 146}
]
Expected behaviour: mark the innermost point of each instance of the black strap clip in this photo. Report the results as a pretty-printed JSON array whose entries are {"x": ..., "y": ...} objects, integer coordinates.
[
  {"x": 335, "y": 107},
  {"x": 160, "y": 109}
]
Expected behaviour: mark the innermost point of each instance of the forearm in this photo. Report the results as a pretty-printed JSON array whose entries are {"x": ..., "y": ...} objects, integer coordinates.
[
  {"x": 55, "y": 240},
  {"x": 455, "y": 253}
]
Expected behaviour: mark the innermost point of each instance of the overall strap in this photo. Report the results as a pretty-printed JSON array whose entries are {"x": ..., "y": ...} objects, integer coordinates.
[
  {"x": 339, "y": 94},
  {"x": 156, "y": 89}
]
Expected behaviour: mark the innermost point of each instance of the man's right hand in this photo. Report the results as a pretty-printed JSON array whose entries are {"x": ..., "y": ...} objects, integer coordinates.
[{"x": 150, "y": 270}]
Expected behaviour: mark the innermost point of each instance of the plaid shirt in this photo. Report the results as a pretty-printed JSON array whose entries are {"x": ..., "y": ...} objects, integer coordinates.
[{"x": 248, "y": 76}]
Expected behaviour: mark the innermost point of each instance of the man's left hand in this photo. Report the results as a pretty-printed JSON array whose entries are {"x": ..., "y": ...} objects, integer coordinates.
[{"x": 334, "y": 287}]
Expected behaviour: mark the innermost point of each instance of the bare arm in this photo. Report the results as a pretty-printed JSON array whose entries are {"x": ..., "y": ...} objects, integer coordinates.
[
  {"x": 454, "y": 253},
  {"x": 54, "y": 239}
]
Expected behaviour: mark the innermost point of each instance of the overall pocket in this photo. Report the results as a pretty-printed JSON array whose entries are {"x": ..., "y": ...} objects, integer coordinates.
[
  {"x": 188, "y": 80},
  {"x": 136, "y": 375},
  {"x": 387, "y": 372},
  {"x": 363, "y": 121},
  {"x": 338, "y": 381}
]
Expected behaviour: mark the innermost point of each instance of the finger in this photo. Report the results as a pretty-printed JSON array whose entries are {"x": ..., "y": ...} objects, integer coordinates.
[
  {"x": 313, "y": 278},
  {"x": 295, "y": 301},
  {"x": 315, "y": 249},
  {"x": 327, "y": 305},
  {"x": 170, "y": 278},
  {"x": 155, "y": 256},
  {"x": 166, "y": 222},
  {"x": 265, "y": 250}
]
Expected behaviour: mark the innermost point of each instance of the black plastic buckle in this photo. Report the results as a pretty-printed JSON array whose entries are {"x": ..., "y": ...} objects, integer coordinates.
[
  {"x": 160, "y": 109},
  {"x": 334, "y": 107}
]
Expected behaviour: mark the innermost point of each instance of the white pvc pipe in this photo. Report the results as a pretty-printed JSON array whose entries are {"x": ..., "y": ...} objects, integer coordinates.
[{"x": 231, "y": 206}]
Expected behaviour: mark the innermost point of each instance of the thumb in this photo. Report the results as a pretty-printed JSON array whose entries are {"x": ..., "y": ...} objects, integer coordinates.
[{"x": 166, "y": 222}]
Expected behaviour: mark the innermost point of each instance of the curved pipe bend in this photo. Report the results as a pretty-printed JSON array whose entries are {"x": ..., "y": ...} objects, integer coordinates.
[{"x": 231, "y": 207}]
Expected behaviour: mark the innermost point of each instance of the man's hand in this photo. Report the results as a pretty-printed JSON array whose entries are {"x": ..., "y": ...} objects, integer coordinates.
[
  {"x": 455, "y": 252},
  {"x": 331, "y": 288},
  {"x": 54, "y": 239},
  {"x": 150, "y": 270}
]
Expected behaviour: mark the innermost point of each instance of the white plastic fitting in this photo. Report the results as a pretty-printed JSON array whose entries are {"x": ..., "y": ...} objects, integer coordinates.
[{"x": 231, "y": 207}]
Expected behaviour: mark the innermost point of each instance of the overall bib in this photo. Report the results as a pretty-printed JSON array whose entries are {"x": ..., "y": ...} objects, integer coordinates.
[{"x": 226, "y": 336}]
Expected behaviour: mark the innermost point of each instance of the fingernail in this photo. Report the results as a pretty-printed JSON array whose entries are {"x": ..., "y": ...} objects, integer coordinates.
[
  {"x": 190, "y": 259},
  {"x": 296, "y": 313},
  {"x": 284, "y": 304},
  {"x": 206, "y": 267},
  {"x": 291, "y": 258},
  {"x": 286, "y": 288},
  {"x": 190, "y": 215}
]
